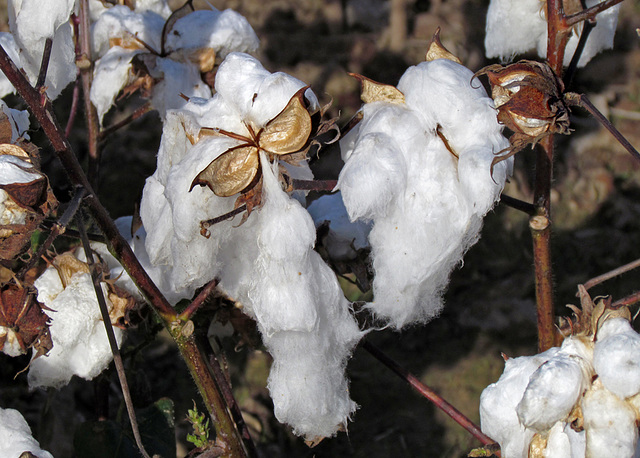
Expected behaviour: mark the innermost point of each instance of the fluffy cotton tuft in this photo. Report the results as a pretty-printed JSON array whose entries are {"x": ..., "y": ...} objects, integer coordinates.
[
  {"x": 80, "y": 344},
  {"x": 267, "y": 264},
  {"x": 518, "y": 26},
  {"x": 16, "y": 438},
  {"x": 31, "y": 25},
  {"x": 426, "y": 205}
]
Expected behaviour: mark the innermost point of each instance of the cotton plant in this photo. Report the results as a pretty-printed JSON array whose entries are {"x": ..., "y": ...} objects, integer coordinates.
[
  {"x": 519, "y": 26},
  {"x": 419, "y": 167},
  {"x": 16, "y": 438},
  {"x": 80, "y": 343},
  {"x": 235, "y": 149},
  {"x": 576, "y": 400},
  {"x": 162, "y": 54}
]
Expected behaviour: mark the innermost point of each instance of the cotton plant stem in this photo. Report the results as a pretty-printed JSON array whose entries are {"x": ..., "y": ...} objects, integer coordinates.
[
  {"x": 627, "y": 301},
  {"x": 431, "y": 395},
  {"x": 44, "y": 65},
  {"x": 196, "y": 361},
  {"x": 228, "y": 436},
  {"x": 86, "y": 74},
  {"x": 138, "y": 113},
  {"x": 111, "y": 337},
  {"x": 314, "y": 185},
  {"x": 518, "y": 204},
  {"x": 611, "y": 274},
  {"x": 198, "y": 301},
  {"x": 590, "y": 13}
]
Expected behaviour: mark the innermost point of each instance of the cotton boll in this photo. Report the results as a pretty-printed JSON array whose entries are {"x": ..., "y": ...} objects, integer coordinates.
[
  {"x": 498, "y": 417},
  {"x": 224, "y": 32},
  {"x": 513, "y": 27},
  {"x": 16, "y": 438},
  {"x": 616, "y": 357},
  {"x": 80, "y": 344},
  {"x": 112, "y": 73},
  {"x": 344, "y": 237},
  {"x": 372, "y": 178},
  {"x": 609, "y": 422},
  {"x": 19, "y": 121}
]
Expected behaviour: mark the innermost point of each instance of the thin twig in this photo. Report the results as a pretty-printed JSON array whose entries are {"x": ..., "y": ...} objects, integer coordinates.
[
  {"x": 590, "y": 13},
  {"x": 117, "y": 359},
  {"x": 199, "y": 300},
  {"x": 75, "y": 103},
  {"x": 44, "y": 65},
  {"x": 583, "y": 101},
  {"x": 518, "y": 204},
  {"x": 612, "y": 273},
  {"x": 314, "y": 185},
  {"x": 577, "y": 54},
  {"x": 58, "y": 228},
  {"x": 627, "y": 301},
  {"x": 236, "y": 413},
  {"x": 218, "y": 219},
  {"x": 138, "y": 113},
  {"x": 428, "y": 393}
]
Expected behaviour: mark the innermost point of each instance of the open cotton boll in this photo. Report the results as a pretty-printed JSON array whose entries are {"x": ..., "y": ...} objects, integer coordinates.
[
  {"x": 19, "y": 121},
  {"x": 498, "y": 417},
  {"x": 518, "y": 26},
  {"x": 426, "y": 205},
  {"x": 32, "y": 25},
  {"x": 610, "y": 424},
  {"x": 344, "y": 237},
  {"x": 224, "y": 31},
  {"x": 80, "y": 344},
  {"x": 16, "y": 438},
  {"x": 616, "y": 357}
]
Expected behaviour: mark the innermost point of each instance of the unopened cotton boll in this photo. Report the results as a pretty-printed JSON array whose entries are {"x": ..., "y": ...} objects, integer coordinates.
[
  {"x": 80, "y": 344},
  {"x": 616, "y": 357},
  {"x": 498, "y": 417},
  {"x": 610, "y": 424},
  {"x": 426, "y": 202},
  {"x": 16, "y": 438}
]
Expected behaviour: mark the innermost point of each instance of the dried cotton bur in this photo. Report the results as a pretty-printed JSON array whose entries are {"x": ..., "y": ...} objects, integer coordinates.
[
  {"x": 418, "y": 166},
  {"x": 529, "y": 99},
  {"x": 267, "y": 265},
  {"x": 580, "y": 399}
]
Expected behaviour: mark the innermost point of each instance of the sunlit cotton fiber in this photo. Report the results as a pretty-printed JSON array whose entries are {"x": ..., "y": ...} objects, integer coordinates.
[
  {"x": 518, "y": 26},
  {"x": 267, "y": 264},
  {"x": 426, "y": 204},
  {"x": 16, "y": 438}
]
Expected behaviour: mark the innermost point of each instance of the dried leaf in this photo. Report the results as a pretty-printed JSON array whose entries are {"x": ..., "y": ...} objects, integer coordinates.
[
  {"x": 68, "y": 265},
  {"x": 372, "y": 91},
  {"x": 231, "y": 172},
  {"x": 204, "y": 58},
  {"x": 122, "y": 302},
  {"x": 290, "y": 130},
  {"x": 14, "y": 150},
  {"x": 5, "y": 128},
  {"x": 438, "y": 51}
]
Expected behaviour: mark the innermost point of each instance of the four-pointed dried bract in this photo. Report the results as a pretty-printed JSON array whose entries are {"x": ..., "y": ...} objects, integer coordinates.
[
  {"x": 529, "y": 99},
  {"x": 237, "y": 169},
  {"x": 23, "y": 324}
]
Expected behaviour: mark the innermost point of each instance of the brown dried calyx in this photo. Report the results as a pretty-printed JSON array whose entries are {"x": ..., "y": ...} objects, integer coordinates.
[
  {"x": 591, "y": 315},
  {"x": 26, "y": 197},
  {"x": 23, "y": 323},
  {"x": 529, "y": 97},
  {"x": 288, "y": 136}
]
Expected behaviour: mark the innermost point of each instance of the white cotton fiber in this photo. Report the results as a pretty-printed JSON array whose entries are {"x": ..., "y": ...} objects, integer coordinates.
[
  {"x": 498, "y": 417},
  {"x": 345, "y": 238},
  {"x": 518, "y": 26},
  {"x": 555, "y": 387},
  {"x": 267, "y": 264},
  {"x": 610, "y": 424},
  {"x": 8, "y": 43},
  {"x": 31, "y": 25},
  {"x": 16, "y": 438},
  {"x": 80, "y": 345},
  {"x": 224, "y": 31},
  {"x": 426, "y": 205},
  {"x": 616, "y": 357}
]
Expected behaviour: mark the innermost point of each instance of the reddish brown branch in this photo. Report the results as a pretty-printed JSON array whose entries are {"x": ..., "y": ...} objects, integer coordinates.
[
  {"x": 627, "y": 301},
  {"x": 208, "y": 289},
  {"x": 431, "y": 395},
  {"x": 314, "y": 185},
  {"x": 44, "y": 65},
  {"x": 138, "y": 113},
  {"x": 590, "y": 13},
  {"x": 612, "y": 273}
]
